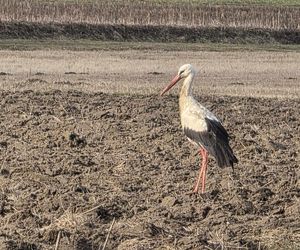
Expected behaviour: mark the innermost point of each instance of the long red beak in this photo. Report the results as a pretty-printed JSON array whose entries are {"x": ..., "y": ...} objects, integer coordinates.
[{"x": 173, "y": 82}]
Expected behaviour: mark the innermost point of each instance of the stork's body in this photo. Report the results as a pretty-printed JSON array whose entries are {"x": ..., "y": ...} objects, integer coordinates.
[{"x": 201, "y": 127}]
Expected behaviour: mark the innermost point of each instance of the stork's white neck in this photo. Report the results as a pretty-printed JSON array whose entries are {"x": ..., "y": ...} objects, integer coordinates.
[{"x": 187, "y": 85}]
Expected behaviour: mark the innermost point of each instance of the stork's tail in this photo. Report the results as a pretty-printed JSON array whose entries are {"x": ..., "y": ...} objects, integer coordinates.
[
  {"x": 221, "y": 149},
  {"x": 225, "y": 156}
]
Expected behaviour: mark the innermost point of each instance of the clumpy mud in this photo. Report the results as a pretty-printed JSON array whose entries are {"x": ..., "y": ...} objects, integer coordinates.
[{"x": 71, "y": 163}]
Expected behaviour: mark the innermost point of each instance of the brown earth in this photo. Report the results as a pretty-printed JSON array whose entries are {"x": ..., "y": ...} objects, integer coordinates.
[{"x": 72, "y": 162}]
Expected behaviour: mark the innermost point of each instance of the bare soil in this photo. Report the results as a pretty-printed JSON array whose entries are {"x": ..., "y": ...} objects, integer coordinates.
[{"x": 73, "y": 162}]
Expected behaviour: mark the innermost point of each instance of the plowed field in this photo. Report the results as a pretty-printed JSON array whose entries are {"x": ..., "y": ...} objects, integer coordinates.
[{"x": 74, "y": 164}]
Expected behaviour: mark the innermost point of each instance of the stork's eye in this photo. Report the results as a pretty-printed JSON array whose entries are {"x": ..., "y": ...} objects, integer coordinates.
[{"x": 181, "y": 72}]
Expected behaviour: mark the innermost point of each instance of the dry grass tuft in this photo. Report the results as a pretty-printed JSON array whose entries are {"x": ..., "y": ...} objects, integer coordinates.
[
  {"x": 280, "y": 238},
  {"x": 69, "y": 221}
]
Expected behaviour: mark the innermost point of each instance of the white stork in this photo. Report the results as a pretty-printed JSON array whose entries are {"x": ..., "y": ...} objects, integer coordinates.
[{"x": 201, "y": 126}]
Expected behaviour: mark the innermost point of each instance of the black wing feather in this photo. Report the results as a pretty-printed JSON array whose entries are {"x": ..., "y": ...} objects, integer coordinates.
[{"x": 215, "y": 140}]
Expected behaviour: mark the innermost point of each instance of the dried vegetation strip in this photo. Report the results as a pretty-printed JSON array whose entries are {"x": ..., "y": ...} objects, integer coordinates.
[
  {"x": 234, "y": 73},
  {"x": 173, "y": 13},
  {"x": 146, "y": 33},
  {"x": 93, "y": 45}
]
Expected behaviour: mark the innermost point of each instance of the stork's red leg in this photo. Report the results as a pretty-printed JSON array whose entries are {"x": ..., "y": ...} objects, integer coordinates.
[
  {"x": 205, "y": 161},
  {"x": 202, "y": 172}
]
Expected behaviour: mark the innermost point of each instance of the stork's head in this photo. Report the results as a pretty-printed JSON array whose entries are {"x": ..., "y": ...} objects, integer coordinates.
[{"x": 183, "y": 72}]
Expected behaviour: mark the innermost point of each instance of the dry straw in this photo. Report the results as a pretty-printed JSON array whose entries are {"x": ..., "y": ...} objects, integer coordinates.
[
  {"x": 70, "y": 222},
  {"x": 151, "y": 13}
]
